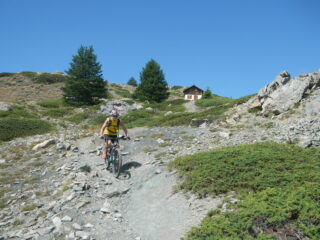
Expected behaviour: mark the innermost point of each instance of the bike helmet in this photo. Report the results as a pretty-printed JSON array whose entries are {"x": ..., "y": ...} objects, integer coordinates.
[{"x": 115, "y": 113}]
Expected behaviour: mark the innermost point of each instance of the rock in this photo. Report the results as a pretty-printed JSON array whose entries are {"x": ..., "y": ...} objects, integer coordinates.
[
  {"x": 57, "y": 222},
  {"x": 158, "y": 171},
  {"x": 85, "y": 168},
  {"x": 2, "y": 161},
  {"x": 150, "y": 109},
  {"x": 72, "y": 235},
  {"x": 88, "y": 225},
  {"x": 43, "y": 144},
  {"x": 199, "y": 122},
  {"x": 116, "y": 192},
  {"x": 203, "y": 125},
  {"x": 236, "y": 117},
  {"x": 159, "y": 140},
  {"x": 106, "y": 208},
  {"x": 5, "y": 107},
  {"x": 76, "y": 226},
  {"x": 305, "y": 141},
  {"x": 74, "y": 149},
  {"x": 45, "y": 230},
  {"x": 122, "y": 107},
  {"x": 82, "y": 234},
  {"x": 283, "y": 93},
  {"x": 81, "y": 204},
  {"x": 168, "y": 113},
  {"x": 66, "y": 219},
  {"x": 224, "y": 134}
]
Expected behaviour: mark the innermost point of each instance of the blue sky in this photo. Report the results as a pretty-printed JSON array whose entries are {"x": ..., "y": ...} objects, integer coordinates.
[{"x": 233, "y": 47}]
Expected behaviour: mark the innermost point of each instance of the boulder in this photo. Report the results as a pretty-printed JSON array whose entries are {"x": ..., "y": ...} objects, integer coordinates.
[
  {"x": 44, "y": 144},
  {"x": 5, "y": 107},
  {"x": 122, "y": 107},
  {"x": 198, "y": 122},
  {"x": 284, "y": 93}
]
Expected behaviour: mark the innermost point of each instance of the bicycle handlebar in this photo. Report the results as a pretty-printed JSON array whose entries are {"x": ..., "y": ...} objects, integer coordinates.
[{"x": 121, "y": 137}]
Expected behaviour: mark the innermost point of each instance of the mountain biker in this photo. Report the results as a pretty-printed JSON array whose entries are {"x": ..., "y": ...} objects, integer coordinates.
[{"x": 110, "y": 129}]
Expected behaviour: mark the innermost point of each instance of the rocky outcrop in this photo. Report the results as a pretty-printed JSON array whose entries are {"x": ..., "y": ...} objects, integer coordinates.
[
  {"x": 285, "y": 92},
  {"x": 122, "y": 106},
  {"x": 5, "y": 107}
]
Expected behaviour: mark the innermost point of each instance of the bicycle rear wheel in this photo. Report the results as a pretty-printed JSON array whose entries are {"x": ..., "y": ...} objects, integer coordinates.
[{"x": 116, "y": 163}]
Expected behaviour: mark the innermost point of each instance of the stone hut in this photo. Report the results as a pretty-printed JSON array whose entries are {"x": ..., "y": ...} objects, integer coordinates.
[{"x": 192, "y": 93}]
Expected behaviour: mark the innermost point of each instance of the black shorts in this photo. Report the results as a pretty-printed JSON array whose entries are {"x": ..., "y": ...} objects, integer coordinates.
[{"x": 113, "y": 138}]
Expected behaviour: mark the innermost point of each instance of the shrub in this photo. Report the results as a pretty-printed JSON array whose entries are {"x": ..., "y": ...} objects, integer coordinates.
[
  {"x": 79, "y": 117},
  {"x": 18, "y": 112},
  {"x": 137, "y": 118},
  {"x": 57, "y": 113},
  {"x": 252, "y": 167},
  {"x": 11, "y": 128},
  {"x": 29, "y": 207},
  {"x": 278, "y": 185},
  {"x": 98, "y": 119},
  {"x": 6, "y": 74},
  {"x": 176, "y": 87},
  {"x": 31, "y": 75},
  {"x": 123, "y": 93},
  {"x": 255, "y": 110},
  {"x": 56, "y": 103},
  {"x": 49, "y": 78}
]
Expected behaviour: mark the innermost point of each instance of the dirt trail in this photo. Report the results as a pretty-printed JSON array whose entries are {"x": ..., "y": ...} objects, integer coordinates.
[
  {"x": 148, "y": 207},
  {"x": 191, "y": 107}
]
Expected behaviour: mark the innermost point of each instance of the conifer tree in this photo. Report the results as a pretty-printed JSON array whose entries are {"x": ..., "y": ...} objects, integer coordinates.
[
  {"x": 85, "y": 85},
  {"x": 153, "y": 86},
  {"x": 132, "y": 81},
  {"x": 207, "y": 93}
]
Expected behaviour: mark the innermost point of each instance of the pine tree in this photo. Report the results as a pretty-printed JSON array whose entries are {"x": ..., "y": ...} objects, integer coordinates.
[
  {"x": 132, "y": 82},
  {"x": 207, "y": 93},
  {"x": 153, "y": 86},
  {"x": 85, "y": 85}
]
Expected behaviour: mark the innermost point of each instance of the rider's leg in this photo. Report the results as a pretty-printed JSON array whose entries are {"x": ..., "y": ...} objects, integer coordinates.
[{"x": 108, "y": 145}]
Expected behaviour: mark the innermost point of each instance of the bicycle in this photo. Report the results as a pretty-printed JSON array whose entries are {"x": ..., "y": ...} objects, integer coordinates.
[{"x": 114, "y": 157}]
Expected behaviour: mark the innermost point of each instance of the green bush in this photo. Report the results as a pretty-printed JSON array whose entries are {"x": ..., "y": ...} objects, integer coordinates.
[
  {"x": 11, "y": 128},
  {"x": 216, "y": 100},
  {"x": 243, "y": 99},
  {"x": 98, "y": 119},
  {"x": 273, "y": 212},
  {"x": 79, "y": 117},
  {"x": 123, "y": 93},
  {"x": 56, "y": 103},
  {"x": 176, "y": 87},
  {"x": 278, "y": 185},
  {"x": 18, "y": 112},
  {"x": 57, "y": 113},
  {"x": 137, "y": 118},
  {"x": 31, "y": 75},
  {"x": 172, "y": 105},
  {"x": 46, "y": 78},
  {"x": 6, "y": 74},
  {"x": 49, "y": 78},
  {"x": 248, "y": 168}
]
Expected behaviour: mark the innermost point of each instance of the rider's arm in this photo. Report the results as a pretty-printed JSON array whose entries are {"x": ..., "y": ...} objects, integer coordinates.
[
  {"x": 124, "y": 128},
  {"x": 105, "y": 124}
]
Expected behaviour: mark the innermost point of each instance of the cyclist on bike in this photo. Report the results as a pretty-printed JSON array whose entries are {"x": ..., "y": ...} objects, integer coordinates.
[{"x": 110, "y": 129}]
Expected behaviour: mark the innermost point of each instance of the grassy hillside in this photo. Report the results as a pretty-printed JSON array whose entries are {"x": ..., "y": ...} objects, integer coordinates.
[
  {"x": 40, "y": 95},
  {"x": 278, "y": 186},
  {"x": 21, "y": 123}
]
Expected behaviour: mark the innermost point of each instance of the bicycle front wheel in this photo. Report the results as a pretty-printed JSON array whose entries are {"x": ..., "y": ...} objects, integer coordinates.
[{"x": 117, "y": 163}]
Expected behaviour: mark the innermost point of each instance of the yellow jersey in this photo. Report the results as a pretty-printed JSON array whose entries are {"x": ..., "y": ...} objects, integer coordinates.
[{"x": 113, "y": 127}]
